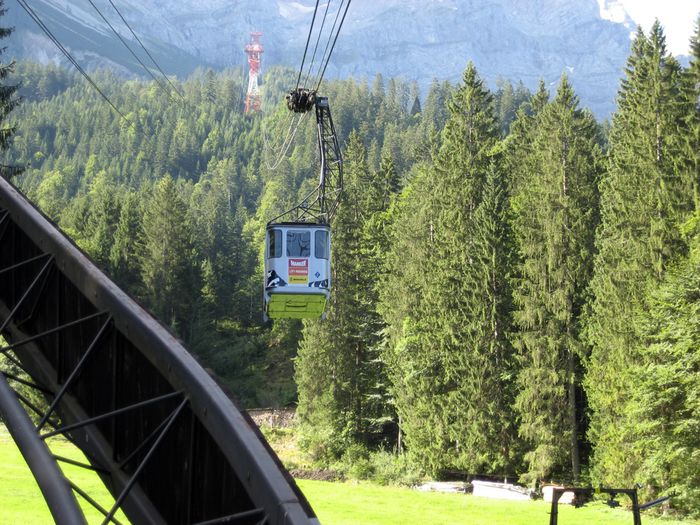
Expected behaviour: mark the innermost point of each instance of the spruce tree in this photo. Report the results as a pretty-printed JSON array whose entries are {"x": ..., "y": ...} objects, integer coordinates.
[
  {"x": 123, "y": 256},
  {"x": 166, "y": 264},
  {"x": 457, "y": 337},
  {"x": 414, "y": 370},
  {"x": 338, "y": 372},
  {"x": 643, "y": 198},
  {"x": 556, "y": 216},
  {"x": 8, "y": 102},
  {"x": 690, "y": 141},
  {"x": 665, "y": 407}
]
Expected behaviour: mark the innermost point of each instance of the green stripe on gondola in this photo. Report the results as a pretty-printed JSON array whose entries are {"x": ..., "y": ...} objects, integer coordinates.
[{"x": 296, "y": 306}]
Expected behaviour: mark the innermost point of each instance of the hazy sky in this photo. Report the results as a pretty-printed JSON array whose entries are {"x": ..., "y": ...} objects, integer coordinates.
[{"x": 677, "y": 16}]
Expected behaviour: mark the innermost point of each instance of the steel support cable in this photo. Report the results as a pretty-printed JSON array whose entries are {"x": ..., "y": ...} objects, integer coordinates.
[
  {"x": 330, "y": 38},
  {"x": 156, "y": 431},
  {"x": 285, "y": 145},
  {"x": 20, "y": 264},
  {"x": 26, "y": 383},
  {"x": 102, "y": 417},
  {"x": 32, "y": 14},
  {"x": 75, "y": 463},
  {"x": 333, "y": 46},
  {"x": 308, "y": 39},
  {"x": 157, "y": 80},
  {"x": 92, "y": 502},
  {"x": 14, "y": 361},
  {"x": 13, "y": 346},
  {"x": 145, "y": 49},
  {"x": 318, "y": 39},
  {"x": 33, "y": 407},
  {"x": 268, "y": 146}
]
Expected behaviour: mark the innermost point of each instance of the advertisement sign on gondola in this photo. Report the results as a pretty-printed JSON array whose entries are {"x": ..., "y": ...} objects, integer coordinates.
[{"x": 298, "y": 271}]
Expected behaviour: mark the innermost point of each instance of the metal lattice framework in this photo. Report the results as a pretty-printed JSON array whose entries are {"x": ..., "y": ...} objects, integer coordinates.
[
  {"x": 320, "y": 205},
  {"x": 167, "y": 442},
  {"x": 254, "y": 50}
]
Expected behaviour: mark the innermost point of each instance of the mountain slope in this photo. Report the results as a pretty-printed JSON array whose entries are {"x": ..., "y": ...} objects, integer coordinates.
[{"x": 515, "y": 39}]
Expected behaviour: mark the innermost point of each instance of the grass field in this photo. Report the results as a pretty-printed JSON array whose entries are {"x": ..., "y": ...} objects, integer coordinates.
[
  {"x": 21, "y": 502},
  {"x": 354, "y": 504}
]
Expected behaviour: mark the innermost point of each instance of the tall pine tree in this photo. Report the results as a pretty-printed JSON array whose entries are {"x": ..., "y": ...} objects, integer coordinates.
[
  {"x": 556, "y": 214},
  {"x": 8, "y": 102},
  {"x": 643, "y": 198},
  {"x": 167, "y": 268},
  {"x": 457, "y": 337},
  {"x": 338, "y": 367}
]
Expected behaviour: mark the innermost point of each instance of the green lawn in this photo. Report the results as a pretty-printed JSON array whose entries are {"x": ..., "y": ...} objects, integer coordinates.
[
  {"x": 21, "y": 502},
  {"x": 357, "y": 504}
]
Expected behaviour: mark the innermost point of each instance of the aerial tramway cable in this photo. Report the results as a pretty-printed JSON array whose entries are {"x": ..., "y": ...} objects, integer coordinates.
[
  {"x": 157, "y": 80},
  {"x": 308, "y": 39},
  {"x": 286, "y": 144},
  {"x": 318, "y": 77},
  {"x": 145, "y": 49},
  {"x": 334, "y": 41},
  {"x": 32, "y": 14},
  {"x": 318, "y": 39}
]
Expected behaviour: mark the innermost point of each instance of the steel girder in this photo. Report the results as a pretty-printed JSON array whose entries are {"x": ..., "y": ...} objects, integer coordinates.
[{"x": 168, "y": 443}]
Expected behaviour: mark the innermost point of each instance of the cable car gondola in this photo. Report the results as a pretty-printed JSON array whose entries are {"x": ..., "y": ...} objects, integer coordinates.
[
  {"x": 298, "y": 242},
  {"x": 297, "y": 269}
]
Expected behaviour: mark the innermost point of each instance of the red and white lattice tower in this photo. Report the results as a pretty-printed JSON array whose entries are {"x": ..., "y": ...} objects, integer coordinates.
[{"x": 253, "y": 49}]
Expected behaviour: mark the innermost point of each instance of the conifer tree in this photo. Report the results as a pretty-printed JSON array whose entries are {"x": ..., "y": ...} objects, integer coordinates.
[
  {"x": 519, "y": 140},
  {"x": 413, "y": 369},
  {"x": 690, "y": 141},
  {"x": 665, "y": 406},
  {"x": 123, "y": 256},
  {"x": 458, "y": 335},
  {"x": 556, "y": 216},
  {"x": 337, "y": 370},
  {"x": 166, "y": 265},
  {"x": 643, "y": 198},
  {"x": 8, "y": 102}
]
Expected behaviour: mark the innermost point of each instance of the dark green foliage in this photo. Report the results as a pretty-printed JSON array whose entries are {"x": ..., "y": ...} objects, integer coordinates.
[
  {"x": 556, "y": 212},
  {"x": 690, "y": 141},
  {"x": 450, "y": 349},
  {"x": 342, "y": 391},
  {"x": 666, "y": 407},
  {"x": 643, "y": 199},
  {"x": 166, "y": 262},
  {"x": 465, "y": 266},
  {"x": 8, "y": 102}
]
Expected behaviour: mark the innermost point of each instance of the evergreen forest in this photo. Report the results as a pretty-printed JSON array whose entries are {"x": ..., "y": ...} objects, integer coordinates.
[{"x": 516, "y": 285}]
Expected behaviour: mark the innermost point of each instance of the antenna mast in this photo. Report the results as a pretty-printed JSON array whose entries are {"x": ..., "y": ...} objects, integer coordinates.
[{"x": 254, "y": 50}]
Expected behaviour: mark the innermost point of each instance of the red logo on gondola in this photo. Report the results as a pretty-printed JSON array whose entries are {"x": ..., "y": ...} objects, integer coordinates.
[{"x": 298, "y": 271}]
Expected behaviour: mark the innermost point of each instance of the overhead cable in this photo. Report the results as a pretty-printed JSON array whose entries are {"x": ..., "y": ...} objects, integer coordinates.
[
  {"x": 330, "y": 38},
  {"x": 157, "y": 80},
  {"x": 307, "y": 43},
  {"x": 70, "y": 58},
  {"x": 145, "y": 49},
  {"x": 318, "y": 39},
  {"x": 333, "y": 46}
]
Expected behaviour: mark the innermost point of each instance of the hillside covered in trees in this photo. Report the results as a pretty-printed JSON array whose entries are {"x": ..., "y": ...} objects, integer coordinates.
[{"x": 516, "y": 285}]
